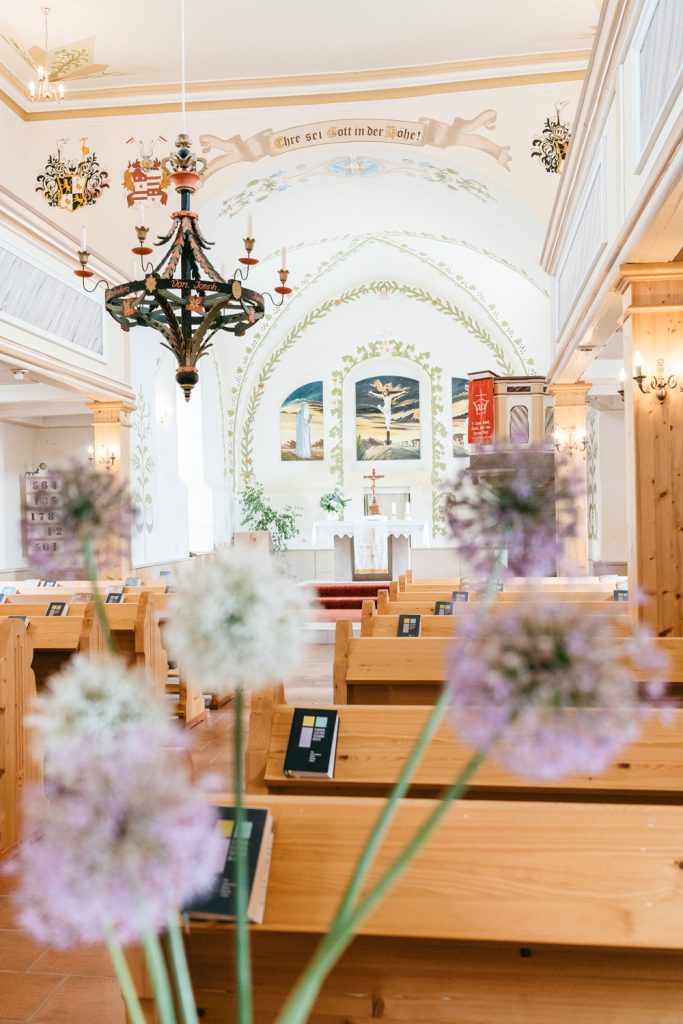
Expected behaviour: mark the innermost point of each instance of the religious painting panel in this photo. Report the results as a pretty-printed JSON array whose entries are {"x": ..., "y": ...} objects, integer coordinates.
[
  {"x": 460, "y": 406},
  {"x": 301, "y": 424},
  {"x": 387, "y": 418}
]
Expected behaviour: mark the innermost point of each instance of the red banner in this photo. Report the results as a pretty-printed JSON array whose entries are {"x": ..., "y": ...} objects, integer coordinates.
[{"x": 480, "y": 413}]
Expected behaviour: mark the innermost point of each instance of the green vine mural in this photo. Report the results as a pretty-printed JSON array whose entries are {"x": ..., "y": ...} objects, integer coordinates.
[
  {"x": 142, "y": 465},
  {"x": 401, "y": 350},
  {"x": 454, "y": 312}
]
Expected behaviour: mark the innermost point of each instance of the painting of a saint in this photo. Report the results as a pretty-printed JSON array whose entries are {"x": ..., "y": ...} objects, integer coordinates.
[
  {"x": 387, "y": 418},
  {"x": 459, "y": 416},
  {"x": 301, "y": 424}
]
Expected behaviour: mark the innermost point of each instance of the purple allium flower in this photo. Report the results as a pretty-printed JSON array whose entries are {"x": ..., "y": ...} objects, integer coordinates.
[
  {"x": 508, "y": 500},
  {"x": 553, "y": 689},
  {"x": 123, "y": 841},
  {"x": 90, "y": 508}
]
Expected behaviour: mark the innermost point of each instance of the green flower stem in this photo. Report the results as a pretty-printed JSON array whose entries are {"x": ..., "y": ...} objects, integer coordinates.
[
  {"x": 130, "y": 996},
  {"x": 91, "y": 569},
  {"x": 242, "y": 952},
  {"x": 181, "y": 973},
  {"x": 160, "y": 982},
  {"x": 381, "y": 827},
  {"x": 305, "y": 992}
]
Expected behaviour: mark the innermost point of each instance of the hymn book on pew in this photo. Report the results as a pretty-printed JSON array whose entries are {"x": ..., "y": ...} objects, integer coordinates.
[
  {"x": 460, "y": 595},
  {"x": 2, "y": 598},
  {"x": 8, "y": 591},
  {"x": 57, "y": 608},
  {"x": 257, "y": 832},
  {"x": 409, "y": 625},
  {"x": 132, "y": 581},
  {"x": 443, "y": 608},
  {"x": 116, "y": 597},
  {"x": 312, "y": 745},
  {"x": 620, "y": 594}
]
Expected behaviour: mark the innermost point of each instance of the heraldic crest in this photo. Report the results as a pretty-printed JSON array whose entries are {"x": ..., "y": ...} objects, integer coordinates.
[
  {"x": 551, "y": 146},
  {"x": 72, "y": 184},
  {"x": 145, "y": 179}
]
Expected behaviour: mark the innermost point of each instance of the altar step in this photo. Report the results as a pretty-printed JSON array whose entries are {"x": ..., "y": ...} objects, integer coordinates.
[{"x": 335, "y": 601}]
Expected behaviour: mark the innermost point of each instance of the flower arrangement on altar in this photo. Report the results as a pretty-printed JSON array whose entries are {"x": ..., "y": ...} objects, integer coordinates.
[
  {"x": 126, "y": 838},
  {"x": 334, "y": 503}
]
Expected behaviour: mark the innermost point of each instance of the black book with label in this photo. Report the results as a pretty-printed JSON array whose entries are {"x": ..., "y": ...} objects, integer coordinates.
[
  {"x": 460, "y": 595},
  {"x": 257, "y": 832},
  {"x": 409, "y": 625},
  {"x": 443, "y": 608},
  {"x": 114, "y": 598},
  {"x": 57, "y": 608},
  {"x": 48, "y": 583},
  {"x": 312, "y": 745},
  {"x": 132, "y": 581},
  {"x": 620, "y": 595}
]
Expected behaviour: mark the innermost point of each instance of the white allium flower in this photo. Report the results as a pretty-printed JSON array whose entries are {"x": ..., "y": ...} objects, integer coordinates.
[
  {"x": 96, "y": 697},
  {"x": 237, "y": 622}
]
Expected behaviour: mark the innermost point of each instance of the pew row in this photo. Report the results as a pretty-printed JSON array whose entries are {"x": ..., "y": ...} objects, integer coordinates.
[
  {"x": 19, "y": 765},
  {"x": 423, "y": 604},
  {"x": 374, "y": 742},
  {"x": 385, "y": 622},
  {"x": 508, "y": 596},
  {"x": 513, "y": 912},
  {"x": 191, "y": 707},
  {"x": 402, "y": 670},
  {"x": 55, "y": 639}
]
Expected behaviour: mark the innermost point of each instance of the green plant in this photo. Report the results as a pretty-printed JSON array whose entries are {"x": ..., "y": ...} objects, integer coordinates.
[{"x": 259, "y": 514}]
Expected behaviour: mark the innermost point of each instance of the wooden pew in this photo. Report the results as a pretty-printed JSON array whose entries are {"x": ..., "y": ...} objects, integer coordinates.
[
  {"x": 398, "y": 670},
  {"x": 514, "y": 912},
  {"x": 382, "y": 619},
  {"x": 374, "y": 742},
  {"x": 423, "y": 604},
  {"x": 19, "y": 765},
  {"x": 55, "y": 639},
  {"x": 191, "y": 707}
]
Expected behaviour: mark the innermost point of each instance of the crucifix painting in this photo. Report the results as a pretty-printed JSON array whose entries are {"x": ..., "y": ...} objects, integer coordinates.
[{"x": 387, "y": 418}]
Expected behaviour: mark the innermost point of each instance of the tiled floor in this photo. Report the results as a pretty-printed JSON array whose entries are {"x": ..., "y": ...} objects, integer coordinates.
[{"x": 42, "y": 984}]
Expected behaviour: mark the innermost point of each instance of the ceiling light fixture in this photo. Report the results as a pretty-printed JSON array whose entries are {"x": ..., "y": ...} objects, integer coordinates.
[
  {"x": 46, "y": 89},
  {"x": 183, "y": 296},
  {"x": 19, "y": 374}
]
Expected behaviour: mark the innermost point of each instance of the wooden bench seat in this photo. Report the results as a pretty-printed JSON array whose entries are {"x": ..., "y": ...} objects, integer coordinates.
[
  {"x": 423, "y": 604},
  {"x": 19, "y": 766},
  {"x": 55, "y": 639},
  {"x": 514, "y": 912},
  {"x": 402, "y": 670},
  {"x": 374, "y": 742}
]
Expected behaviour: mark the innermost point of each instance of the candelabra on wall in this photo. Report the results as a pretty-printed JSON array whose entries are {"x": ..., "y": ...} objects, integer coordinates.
[
  {"x": 658, "y": 383},
  {"x": 106, "y": 459},
  {"x": 569, "y": 442}
]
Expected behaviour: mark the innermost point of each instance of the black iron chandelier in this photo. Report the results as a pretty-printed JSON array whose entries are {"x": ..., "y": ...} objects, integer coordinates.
[{"x": 183, "y": 296}]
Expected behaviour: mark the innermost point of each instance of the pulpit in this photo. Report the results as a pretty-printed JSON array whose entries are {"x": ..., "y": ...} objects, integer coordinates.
[{"x": 361, "y": 546}]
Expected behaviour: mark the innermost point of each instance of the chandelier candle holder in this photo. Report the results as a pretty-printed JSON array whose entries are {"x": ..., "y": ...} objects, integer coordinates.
[
  {"x": 658, "y": 384},
  {"x": 106, "y": 460},
  {"x": 45, "y": 90},
  {"x": 183, "y": 296}
]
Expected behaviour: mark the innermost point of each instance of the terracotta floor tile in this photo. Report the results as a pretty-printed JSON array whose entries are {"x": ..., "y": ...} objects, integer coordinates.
[
  {"x": 22, "y": 994},
  {"x": 90, "y": 961},
  {"x": 18, "y": 951},
  {"x": 84, "y": 1001}
]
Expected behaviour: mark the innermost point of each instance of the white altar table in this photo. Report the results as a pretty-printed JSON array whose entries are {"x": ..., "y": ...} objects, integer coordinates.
[{"x": 400, "y": 532}]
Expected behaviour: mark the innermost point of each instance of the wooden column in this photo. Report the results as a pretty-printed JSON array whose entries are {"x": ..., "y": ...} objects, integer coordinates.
[
  {"x": 654, "y": 444},
  {"x": 111, "y": 432},
  {"x": 570, "y": 421}
]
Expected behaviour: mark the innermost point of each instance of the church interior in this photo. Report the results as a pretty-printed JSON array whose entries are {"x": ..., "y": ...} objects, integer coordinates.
[{"x": 341, "y": 482}]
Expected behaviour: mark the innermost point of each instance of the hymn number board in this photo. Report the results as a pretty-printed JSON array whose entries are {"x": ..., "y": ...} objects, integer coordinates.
[{"x": 43, "y": 513}]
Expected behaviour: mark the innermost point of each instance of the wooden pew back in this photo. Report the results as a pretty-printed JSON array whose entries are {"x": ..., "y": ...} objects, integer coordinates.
[
  {"x": 19, "y": 765},
  {"x": 55, "y": 639}
]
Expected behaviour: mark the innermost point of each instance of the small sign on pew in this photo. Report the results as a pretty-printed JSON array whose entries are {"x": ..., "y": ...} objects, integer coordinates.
[
  {"x": 57, "y": 608},
  {"x": 114, "y": 597},
  {"x": 168, "y": 589},
  {"x": 620, "y": 594},
  {"x": 409, "y": 625},
  {"x": 2, "y": 598},
  {"x": 312, "y": 745},
  {"x": 132, "y": 581},
  {"x": 460, "y": 595},
  {"x": 257, "y": 833},
  {"x": 48, "y": 583},
  {"x": 443, "y": 608}
]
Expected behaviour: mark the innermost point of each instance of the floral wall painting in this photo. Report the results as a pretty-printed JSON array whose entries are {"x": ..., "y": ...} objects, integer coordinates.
[
  {"x": 551, "y": 145},
  {"x": 459, "y": 402},
  {"x": 301, "y": 424},
  {"x": 387, "y": 418}
]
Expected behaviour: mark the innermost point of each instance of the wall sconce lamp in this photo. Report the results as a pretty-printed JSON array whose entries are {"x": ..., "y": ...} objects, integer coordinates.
[
  {"x": 658, "y": 383},
  {"x": 571, "y": 444},
  {"x": 106, "y": 460}
]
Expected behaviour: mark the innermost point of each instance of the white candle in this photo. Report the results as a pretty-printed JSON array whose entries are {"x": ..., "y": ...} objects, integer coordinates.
[
  {"x": 622, "y": 375},
  {"x": 407, "y": 510},
  {"x": 83, "y": 239},
  {"x": 637, "y": 364},
  {"x": 91, "y": 451},
  {"x": 393, "y": 508},
  {"x": 250, "y": 226},
  {"x": 141, "y": 215},
  {"x": 283, "y": 263},
  {"x": 32, "y": 89}
]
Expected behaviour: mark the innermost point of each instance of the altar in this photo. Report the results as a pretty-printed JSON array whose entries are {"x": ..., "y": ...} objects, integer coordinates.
[{"x": 371, "y": 548}]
